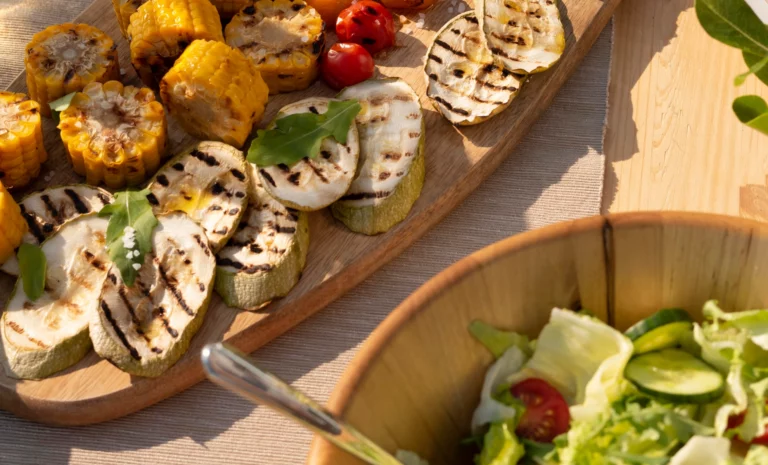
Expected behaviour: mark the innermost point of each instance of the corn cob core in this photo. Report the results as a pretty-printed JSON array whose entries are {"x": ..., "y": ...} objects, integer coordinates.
[
  {"x": 65, "y": 58},
  {"x": 283, "y": 38},
  {"x": 215, "y": 92},
  {"x": 113, "y": 134},
  {"x": 160, "y": 30},
  {"x": 21, "y": 139},
  {"x": 12, "y": 225},
  {"x": 229, "y": 8},
  {"x": 123, "y": 10}
]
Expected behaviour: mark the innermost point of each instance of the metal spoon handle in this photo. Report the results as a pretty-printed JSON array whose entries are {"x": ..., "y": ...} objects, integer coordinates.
[{"x": 230, "y": 369}]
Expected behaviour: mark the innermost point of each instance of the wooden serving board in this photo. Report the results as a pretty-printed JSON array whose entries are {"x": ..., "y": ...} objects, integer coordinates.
[{"x": 458, "y": 160}]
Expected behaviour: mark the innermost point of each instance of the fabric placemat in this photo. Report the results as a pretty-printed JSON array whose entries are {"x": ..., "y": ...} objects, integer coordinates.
[{"x": 556, "y": 174}]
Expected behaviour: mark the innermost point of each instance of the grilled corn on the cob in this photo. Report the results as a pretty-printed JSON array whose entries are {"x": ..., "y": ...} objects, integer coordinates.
[
  {"x": 123, "y": 10},
  {"x": 113, "y": 134},
  {"x": 215, "y": 92},
  {"x": 21, "y": 139},
  {"x": 160, "y": 30},
  {"x": 283, "y": 38},
  {"x": 12, "y": 224},
  {"x": 65, "y": 58},
  {"x": 229, "y": 8}
]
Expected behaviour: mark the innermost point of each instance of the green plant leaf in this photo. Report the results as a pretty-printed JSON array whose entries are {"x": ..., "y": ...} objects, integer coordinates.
[
  {"x": 733, "y": 22},
  {"x": 59, "y": 105},
  {"x": 129, "y": 232},
  {"x": 753, "y": 69},
  {"x": 751, "y": 60},
  {"x": 32, "y": 267},
  {"x": 298, "y": 136},
  {"x": 752, "y": 111}
]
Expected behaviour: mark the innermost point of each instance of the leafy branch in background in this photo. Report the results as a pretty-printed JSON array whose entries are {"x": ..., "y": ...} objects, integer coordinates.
[{"x": 734, "y": 23}]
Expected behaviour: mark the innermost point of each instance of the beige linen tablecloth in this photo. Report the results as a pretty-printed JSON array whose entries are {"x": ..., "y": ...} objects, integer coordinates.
[{"x": 555, "y": 175}]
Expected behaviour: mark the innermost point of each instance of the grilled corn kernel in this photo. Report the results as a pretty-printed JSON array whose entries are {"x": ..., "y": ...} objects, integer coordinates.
[
  {"x": 283, "y": 38},
  {"x": 21, "y": 139},
  {"x": 12, "y": 225},
  {"x": 65, "y": 58},
  {"x": 160, "y": 30},
  {"x": 123, "y": 10},
  {"x": 114, "y": 135},
  {"x": 229, "y": 8},
  {"x": 215, "y": 92}
]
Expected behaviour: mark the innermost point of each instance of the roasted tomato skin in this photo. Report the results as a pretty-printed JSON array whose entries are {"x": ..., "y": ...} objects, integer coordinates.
[
  {"x": 345, "y": 64},
  {"x": 367, "y": 23},
  {"x": 546, "y": 411}
]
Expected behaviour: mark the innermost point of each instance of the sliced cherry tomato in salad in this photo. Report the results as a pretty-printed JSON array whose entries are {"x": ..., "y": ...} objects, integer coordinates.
[
  {"x": 546, "y": 411},
  {"x": 345, "y": 65},
  {"x": 367, "y": 23},
  {"x": 735, "y": 421}
]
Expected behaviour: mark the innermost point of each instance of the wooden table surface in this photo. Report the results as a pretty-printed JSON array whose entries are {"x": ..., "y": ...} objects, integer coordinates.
[{"x": 672, "y": 141}]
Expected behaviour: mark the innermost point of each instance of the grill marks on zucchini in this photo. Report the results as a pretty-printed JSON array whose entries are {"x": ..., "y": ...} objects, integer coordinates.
[
  {"x": 464, "y": 84},
  {"x": 207, "y": 182},
  {"x": 313, "y": 184}
]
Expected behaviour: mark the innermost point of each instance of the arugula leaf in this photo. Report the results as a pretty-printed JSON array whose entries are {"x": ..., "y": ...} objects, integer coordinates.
[
  {"x": 752, "y": 111},
  {"x": 298, "y": 136},
  {"x": 32, "y": 267},
  {"x": 733, "y": 23},
  {"x": 129, "y": 232},
  {"x": 59, "y": 105}
]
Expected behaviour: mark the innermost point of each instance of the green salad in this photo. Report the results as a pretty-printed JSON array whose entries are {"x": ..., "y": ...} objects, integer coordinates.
[{"x": 668, "y": 391}]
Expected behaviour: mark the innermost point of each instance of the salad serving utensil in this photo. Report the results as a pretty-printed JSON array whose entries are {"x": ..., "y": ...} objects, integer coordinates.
[{"x": 232, "y": 370}]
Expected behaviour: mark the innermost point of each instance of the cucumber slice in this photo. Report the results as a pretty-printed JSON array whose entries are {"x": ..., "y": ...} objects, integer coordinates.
[
  {"x": 662, "y": 330},
  {"x": 676, "y": 376}
]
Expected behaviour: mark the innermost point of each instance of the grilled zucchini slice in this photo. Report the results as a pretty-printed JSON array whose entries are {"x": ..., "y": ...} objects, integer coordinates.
[
  {"x": 51, "y": 333},
  {"x": 265, "y": 258},
  {"x": 390, "y": 174},
  {"x": 208, "y": 182},
  {"x": 47, "y": 211},
  {"x": 463, "y": 82},
  {"x": 526, "y": 36},
  {"x": 283, "y": 38},
  {"x": 146, "y": 328},
  {"x": 312, "y": 184}
]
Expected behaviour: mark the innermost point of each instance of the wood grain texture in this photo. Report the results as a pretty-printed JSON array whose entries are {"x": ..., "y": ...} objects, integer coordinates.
[
  {"x": 672, "y": 141},
  {"x": 457, "y": 162},
  {"x": 416, "y": 381}
]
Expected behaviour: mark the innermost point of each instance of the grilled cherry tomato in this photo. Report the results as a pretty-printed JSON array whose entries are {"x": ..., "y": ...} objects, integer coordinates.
[
  {"x": 329, "y": 9},
  {"x": 367, "y": 23},
  {"x": 346, "y": 64},
  {"x": 546, "y": 412}
]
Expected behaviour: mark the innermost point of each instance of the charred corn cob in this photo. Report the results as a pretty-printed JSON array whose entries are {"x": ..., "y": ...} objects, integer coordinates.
[
  {"x": 123, "y": 10},
  {"x": 160, "y": 30},
  {"x": 113, "y": 134},
  {"x": 229, "y": 8},
  {"x": 215, "y": 92},
  {"x": 283, "y": 38},
  {"x": 65, "y": 58},
  {"x": 21, "y": 139},
  {"x": 12, "y": 225}
]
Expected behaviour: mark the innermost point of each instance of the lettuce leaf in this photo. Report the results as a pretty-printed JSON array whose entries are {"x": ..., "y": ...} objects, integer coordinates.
[
  {"x": 407, "y": 457},
  {"x": 490, "y": 409},
  {"x": 757, "y": 455},
  {"x": 498, "y": 341},
  {"x": 501, "y": 446},
  {"x": 702, "y": 450}
]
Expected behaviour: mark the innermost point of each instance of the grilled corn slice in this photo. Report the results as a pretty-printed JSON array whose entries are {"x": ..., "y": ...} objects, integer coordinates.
[
  {"x": 65, "y": 58},
  {"x": 123, "y": 10},
  {"x": 229, "y": 8},
  {"x": 21, "y": 139},
  {"x": 161, "y": 30},
  {"x": 215, "y": 92},
  {"x": 283, "y": 38},
  {"x": 12, "y": 224},
  {"x": 113, "y": 134}
]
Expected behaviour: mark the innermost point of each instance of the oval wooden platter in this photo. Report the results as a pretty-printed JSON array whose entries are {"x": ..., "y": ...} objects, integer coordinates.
[{"x": 458, "y": 160}]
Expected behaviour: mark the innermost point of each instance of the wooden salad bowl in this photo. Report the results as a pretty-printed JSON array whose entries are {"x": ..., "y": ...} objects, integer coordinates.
[{"x": 417, "y": 380}]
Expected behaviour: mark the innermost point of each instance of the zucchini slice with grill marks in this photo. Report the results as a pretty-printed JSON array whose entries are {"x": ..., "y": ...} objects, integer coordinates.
[
  {"x": 312, "y": 184},
  {"x": 51, "y": 333},
  {"x": 391, "y": 170},
  {"x": 526, "y": 36},
  {"x": 208, "y": 182},
  {"x": 145, "y": 329},
  {"x": 265, "y": 257},
  {"x": 463, "y": 81},
  {"x": 47, "y": 211}
]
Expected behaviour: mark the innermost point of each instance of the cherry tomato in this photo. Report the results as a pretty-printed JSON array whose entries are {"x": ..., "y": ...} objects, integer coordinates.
[
  {"x": 346, "y": 64},
  {"x": 329, "y": 9},
  {"x": 546, "y": 412},
  {"x": 736, "y": 421},
  {"x": 367, "y": 23}
]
